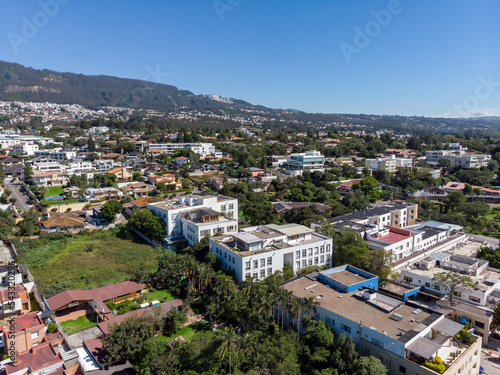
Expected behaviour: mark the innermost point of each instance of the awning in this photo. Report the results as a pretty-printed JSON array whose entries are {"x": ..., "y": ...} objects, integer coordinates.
[
  {"x": 424, "y": 348},
  {"x": 448, "y": 327}
]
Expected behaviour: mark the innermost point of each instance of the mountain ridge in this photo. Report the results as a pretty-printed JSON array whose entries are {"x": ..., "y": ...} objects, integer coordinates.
[{"x": 21, "y": 83}]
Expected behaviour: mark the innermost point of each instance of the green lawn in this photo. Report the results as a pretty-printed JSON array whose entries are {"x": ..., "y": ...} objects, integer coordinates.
[
  {"x": 87, "y": 261},
  {"x": 57, "y": 202},
  {"x": 161, "y": 295},
  {"x": 54, "y": 190},
  {"x": 80, "y": 324},
  {"x": 187, "y": 332}
]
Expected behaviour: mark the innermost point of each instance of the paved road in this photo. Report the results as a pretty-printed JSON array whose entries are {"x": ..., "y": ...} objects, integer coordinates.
[{"x": 23, "y": 203}]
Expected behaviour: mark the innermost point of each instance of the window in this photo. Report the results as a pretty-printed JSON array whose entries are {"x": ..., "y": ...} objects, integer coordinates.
[
  {"x": 474, "y": 299},
  {"x": 247, "y": 275},
  {"x": 254, "y": 275},
  {"x": 345, "y": 328},
  {"x": 377, "y": 342},
  {"x": 223, "y": 208},
  {"x": 269, "y": 261},
  {"x": 402, "y": 369},
  {"x": 34, "y": 335},
  {"x": 479, "y": 324},
  {"x": 297, "y": 254},
  {"x": 322, "y": 259},
  {"x": 304, "y": 252},
  {"x": 225, "y": 255},
  {"x": 231, "y": 206},
  {"x": 304, "y": 263},
  {"x": 408, "y": 279},
  {"x": 316, "y": 250},
  {"x": 458, "y": 294},
  {"x": 427, "y": 285},
  {"x": 269, "y": 271},
  {"x": 316, "y": 261},
  {"x": 234, "y": 259},
  {"x": 310, "y": 262},
  {"x": 262, "y": 262},
  {"x": 322, "y": 249},
  {"x": 255, "y": 264},
  {"x": 247, "y": 265},
  {"x": 262, "y": 273},
  {"x": 328, "y": 247},
  {"x": 437, "y": 287},
  {"x": 310, "y": 252}
]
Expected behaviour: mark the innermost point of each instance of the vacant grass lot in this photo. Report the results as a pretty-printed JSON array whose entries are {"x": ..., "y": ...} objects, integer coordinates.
[
  {"x": 86, "y": 261},
  {"x": 161, "y": 295},
  {"x": 187, "y": 332},
  {"x": 53, "y": 191},
  {"x": 80, "y": 324}
]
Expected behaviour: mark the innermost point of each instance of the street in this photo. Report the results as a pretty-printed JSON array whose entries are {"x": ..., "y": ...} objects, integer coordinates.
[{"x": 23, "y": 203}]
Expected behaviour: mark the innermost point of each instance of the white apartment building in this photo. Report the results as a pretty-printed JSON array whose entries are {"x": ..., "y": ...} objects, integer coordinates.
[
  {"x": 102, "y": 166},
  {"x": 25, "y": 149},
  {"x": 310, "y": 161},
  {"x": 79, "y": 167},
  {"x": 258, "y": 252},
  {"x": 390, "y": 164},
  {"x": 49, "y": 167},
  {"x": 8, "y": 140},
  {"x": 202, "y": 149},
  {"x": 186, "y": 224},
  {"x": 458, "y": 157},
  {"x": 57, "y": 154},
  {"x": 202, "y": 222}
]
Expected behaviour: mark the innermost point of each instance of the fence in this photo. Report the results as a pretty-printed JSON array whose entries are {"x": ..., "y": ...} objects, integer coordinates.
[{"x": 148, "y": 240}]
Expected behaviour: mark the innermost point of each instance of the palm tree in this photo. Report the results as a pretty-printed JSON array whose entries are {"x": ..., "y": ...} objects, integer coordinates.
[
  {"x": 230, "y": 341},
  {"x": 296, "y": 312},
  {"x": 309, "y": 305},
  {"x": 495, "y": 323}
]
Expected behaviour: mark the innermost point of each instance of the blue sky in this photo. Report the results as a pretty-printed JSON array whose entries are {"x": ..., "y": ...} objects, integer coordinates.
[{"x": 416, "y": 58}]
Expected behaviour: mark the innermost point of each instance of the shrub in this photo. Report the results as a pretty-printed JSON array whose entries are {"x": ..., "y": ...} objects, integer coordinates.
[
  {"x": 465, "y": 337},
  {"x": 440, "y": 368},
  {"x": 52, "y": 328},
  {"x": 438, "y": 360}
]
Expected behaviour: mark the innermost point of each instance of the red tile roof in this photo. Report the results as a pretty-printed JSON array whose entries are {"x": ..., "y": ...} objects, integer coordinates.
[
  {"x": 99, "y": 294},
  {"x": 38, "y": 358}
]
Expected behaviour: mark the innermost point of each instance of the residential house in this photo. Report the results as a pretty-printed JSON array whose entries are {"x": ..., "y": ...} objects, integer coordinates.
[
  {"x": 122, "y": 174},
  {"x": 50, "y": 179},
  {"x": 102, "y": 193},
  {"x": 137, "y": 190}
]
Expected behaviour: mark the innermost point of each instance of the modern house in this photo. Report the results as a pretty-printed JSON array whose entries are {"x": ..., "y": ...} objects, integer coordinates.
[
  {"x": 258, "y": 252},
  {"x": 202, "y": 149},
  {"x": 310, "y": 161}
]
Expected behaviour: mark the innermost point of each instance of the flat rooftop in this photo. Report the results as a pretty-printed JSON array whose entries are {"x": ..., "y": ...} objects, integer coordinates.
[
  {"x": 392, "y": 237},
  {"x": 347, "y": 277},
  {"x": 484, "y": 281},
  {"x": 358, "y": 310}
]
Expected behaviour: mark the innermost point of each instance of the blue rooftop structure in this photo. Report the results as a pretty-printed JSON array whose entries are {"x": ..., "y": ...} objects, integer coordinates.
[{"x": 348, "y": 279}]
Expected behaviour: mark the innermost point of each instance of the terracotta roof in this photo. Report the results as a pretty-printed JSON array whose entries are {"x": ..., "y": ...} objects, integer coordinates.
[
  {"x": 143, "y": 202},
  {"x": 24, "y": 322},
  {"x": 99, "y": 294},
  {"x": 96, "y": 347},
  {"x": 41, "y": 356}
]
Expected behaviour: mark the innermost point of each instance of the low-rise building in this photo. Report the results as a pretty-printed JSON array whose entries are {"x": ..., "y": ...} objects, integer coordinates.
[
  {"x": 50, "y": 179},
  {"x": 203, "y": 222},
  {"x": 308, "y": 161},
  {"x": 171, "y": 212},
  {"x": 258, "y": 252},
  {"x": 102, "y": 193},
  {"x": 403, "y": 335},
  {"x": 458, "y": 158},
  {"x": 137, "y": 190},
  {"x": 25, "y": 149},
  {"x": 202, "y": 149},
  {"x": 122, "y": 174}
]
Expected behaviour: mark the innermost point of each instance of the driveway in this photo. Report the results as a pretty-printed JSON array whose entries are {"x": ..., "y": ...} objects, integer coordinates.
[
  {"x": 76, "y": 340},
  {"x": 23, "y": 203}
]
